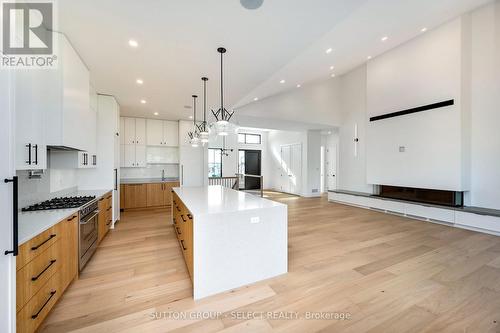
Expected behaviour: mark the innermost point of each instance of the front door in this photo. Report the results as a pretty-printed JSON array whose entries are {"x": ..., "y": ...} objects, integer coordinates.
[{"x": 252, "y": 166}]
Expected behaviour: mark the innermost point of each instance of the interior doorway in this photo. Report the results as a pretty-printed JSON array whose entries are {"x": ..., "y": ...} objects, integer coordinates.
[
  {"x": 291, "y": 169},
  {"x": 331, "y": 167},
  {"x": 249, "y": 163}
]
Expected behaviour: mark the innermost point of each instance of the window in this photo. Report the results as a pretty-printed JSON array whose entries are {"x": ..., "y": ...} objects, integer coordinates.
[
  {"x": 214, "y": 163},
  {"x": 249, "y": 138}
]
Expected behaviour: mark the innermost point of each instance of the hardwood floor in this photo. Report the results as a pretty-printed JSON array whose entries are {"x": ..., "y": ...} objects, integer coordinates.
[{"x": 387, "y": 273}]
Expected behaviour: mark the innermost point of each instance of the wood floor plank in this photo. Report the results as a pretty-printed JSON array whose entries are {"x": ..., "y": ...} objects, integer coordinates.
[{"x": 390, "y": 273}]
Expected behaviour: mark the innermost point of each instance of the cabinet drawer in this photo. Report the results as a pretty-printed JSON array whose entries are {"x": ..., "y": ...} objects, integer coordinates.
[
  {"x": 35, "y": 311},
  {"x": 35, "y": 246},
  {"x": 36, "y": 273}
]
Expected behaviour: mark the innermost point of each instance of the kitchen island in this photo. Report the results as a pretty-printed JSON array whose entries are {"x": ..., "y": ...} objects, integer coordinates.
[{"x": 229, "y": 238}]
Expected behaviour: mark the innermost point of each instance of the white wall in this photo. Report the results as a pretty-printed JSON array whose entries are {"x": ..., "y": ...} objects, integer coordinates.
[
  {"x": 352, "y": 169},
  {"x": 426, "y": 70},
  {"x": 485, "y": 106}
]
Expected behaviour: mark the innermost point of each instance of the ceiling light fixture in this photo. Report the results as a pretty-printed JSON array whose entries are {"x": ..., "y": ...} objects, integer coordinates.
[
  {"x": 143, "y": 101},
  {"x": 282, "y": 81},
  {"x": 383, "y": 39},
  {"x": 256, "y": 99},
  {"x": 133, "y": 43},
  {"x": 193, "y": 135},
  {"x": 369, "y": 57},
  {"x": 298, "y": 85},
  {"x": 202, "y": 128},
  {"x": 139, "y": 81},
  {"x": 424, "y": 29},
  {"x": 222, "y": 126},
  {"x": 329, "y": 50},
  {"x": 156, "y": 113},
  {"x": 332, "y": 67},
  {"x": 333, "y": 75},
  {"x": 251, "y": 4}
]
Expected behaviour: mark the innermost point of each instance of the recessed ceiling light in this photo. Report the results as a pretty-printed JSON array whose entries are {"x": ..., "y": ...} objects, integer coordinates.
[
  {"x": 156, "y": 113},
  {"x": 282, "y": 81},
  {"x": 143, "y": 101},
  {"x": 333, "y": 75},
  {"x": 369, "y": 57},
  {"x": 298, "y": 85},
  {"x": 256, "y": 99},
  {"x": 424, "y": 29},
  {"x": 329, "y": 50},
  {"x": 139, "y": 81},
  {"x": 190, "y": 117},
  {"x": 384, "y": 38},
  {"x": 332, "y": 67},
  {"x": 133, "y": 43}
]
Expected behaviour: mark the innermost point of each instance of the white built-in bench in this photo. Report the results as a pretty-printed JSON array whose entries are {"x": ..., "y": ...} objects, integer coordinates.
[{"x": 472, "y": 218}]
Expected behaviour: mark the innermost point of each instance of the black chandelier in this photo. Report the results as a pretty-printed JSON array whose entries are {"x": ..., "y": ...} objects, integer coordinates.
[
  {"x": 194, "y": 135},
  {"x": 222, "y": 125},
  {"x": 203, "y": 128}
]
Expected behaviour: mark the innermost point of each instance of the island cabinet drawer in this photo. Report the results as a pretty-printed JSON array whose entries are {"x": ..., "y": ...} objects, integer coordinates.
[
  {"x": 36, "y": 273},
  {"x": 35, "y": 246},
  {"x": 39, "y": 306}
]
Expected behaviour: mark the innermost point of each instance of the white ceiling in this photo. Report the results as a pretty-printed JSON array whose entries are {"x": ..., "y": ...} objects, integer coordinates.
[{"x": 284, "y": 39}]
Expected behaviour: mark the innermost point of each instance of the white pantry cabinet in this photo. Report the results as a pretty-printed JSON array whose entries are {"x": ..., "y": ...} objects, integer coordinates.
[
  {"x": 162, "y": 133},
  {"x": 62, "y": 159},
  {"x": 31, "y": 94},
  {"x": 134, "y": 131}
]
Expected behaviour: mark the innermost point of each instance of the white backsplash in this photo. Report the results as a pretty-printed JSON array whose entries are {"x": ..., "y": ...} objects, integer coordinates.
[{"x": 151, "y": 171}]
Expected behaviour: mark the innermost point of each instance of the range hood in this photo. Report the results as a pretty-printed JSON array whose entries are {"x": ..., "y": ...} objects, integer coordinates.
[{"x": 62, "y": 148}]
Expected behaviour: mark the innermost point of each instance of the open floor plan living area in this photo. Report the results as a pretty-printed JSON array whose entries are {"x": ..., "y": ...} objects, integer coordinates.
[{"x": 249, "y": 166}]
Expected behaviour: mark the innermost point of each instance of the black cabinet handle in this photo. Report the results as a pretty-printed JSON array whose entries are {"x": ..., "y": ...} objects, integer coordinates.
[
  {"x": 177, "y": 208},
  {"x": 29, "y": 153},
  {"x": 52, "y": 293},
  {"x": 108, "y": 209},
  {"x": 34, "y": 278},
  {"x": 178, "y": 232},
  {"x": 45, "y": 241},
  {"x": 15, "y": 220},
  {"x": 190, "y": 216},
  {"x": 182, "y": 216},
  {"x": 108, "y": 222},
  {"x": 36, "y": 154},
  {"x": 71, "y": 219},
  {"x": 116, "y": 179},
  {"x": 101, "y": 199},
  {"x": 183, "y": 247}
]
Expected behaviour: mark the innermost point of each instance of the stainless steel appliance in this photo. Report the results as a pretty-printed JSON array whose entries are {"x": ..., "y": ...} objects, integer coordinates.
[{"x": 87, "y": 243}]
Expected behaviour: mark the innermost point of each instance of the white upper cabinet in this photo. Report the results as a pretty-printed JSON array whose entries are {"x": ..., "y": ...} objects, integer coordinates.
[
  {"x": 122, "y": 130},
  {"x": 70, "y": 120},
  {"x": 162, "y": 133},
  {"x": 184, "y": 128},
  {"x": 135, "y": 131},
  {"x": 171, "y": 133},
  {"x": 155, "y": 132}
]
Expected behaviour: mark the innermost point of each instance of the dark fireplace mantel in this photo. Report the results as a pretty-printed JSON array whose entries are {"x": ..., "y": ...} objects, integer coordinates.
[{"x": 436, "y": 197}]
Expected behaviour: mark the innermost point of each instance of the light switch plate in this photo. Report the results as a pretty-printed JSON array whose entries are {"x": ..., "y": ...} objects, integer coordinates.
[{"x": 255, "y": 219}]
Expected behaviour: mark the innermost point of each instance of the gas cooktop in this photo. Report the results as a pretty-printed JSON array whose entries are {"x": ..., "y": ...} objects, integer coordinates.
[{"x": 60, "y": 203}]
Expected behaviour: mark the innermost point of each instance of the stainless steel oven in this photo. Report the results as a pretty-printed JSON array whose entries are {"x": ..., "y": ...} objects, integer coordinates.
[{"x": 88, "y": 232}]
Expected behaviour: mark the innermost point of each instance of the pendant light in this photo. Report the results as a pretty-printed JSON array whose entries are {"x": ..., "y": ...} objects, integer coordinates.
[
  {"x": 194, "y": 136},
  {"x": 202, "y": 128},
  {"x": 222, "y": 126}
]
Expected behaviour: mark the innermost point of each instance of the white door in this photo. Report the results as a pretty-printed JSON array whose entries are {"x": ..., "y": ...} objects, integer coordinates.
[
  {"x": 129, "y": 126},
  {"x": 295, "y": 170},
  {"x": 154, "y": 136},
  {"x": 284, "y": 169},
  {"x": 129, "y": 156},
  {"x": 171, "y": 133},
  {"x": 140, "y": 131},
  {"x": 7, "y": 261},
  {"x": 331, "y": 167},
  {"x": 140, "y": 156}
]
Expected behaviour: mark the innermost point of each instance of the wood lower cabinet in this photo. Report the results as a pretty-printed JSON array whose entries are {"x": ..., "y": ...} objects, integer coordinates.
[
  {"x": 183, "y": 224},
  {"x": 147, "y": 195},
  {"x": 105, "y": 217},
  {"x": 47, "y": 265}
]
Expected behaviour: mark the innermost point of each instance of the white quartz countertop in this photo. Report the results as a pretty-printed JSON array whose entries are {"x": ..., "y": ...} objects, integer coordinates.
[
  {"x": 34, "y": 223},
  {"x": 218, "y": 199}
]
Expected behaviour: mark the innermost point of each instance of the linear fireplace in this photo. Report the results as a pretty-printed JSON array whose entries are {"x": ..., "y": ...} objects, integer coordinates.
[{"x": 437, "y": 197}]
